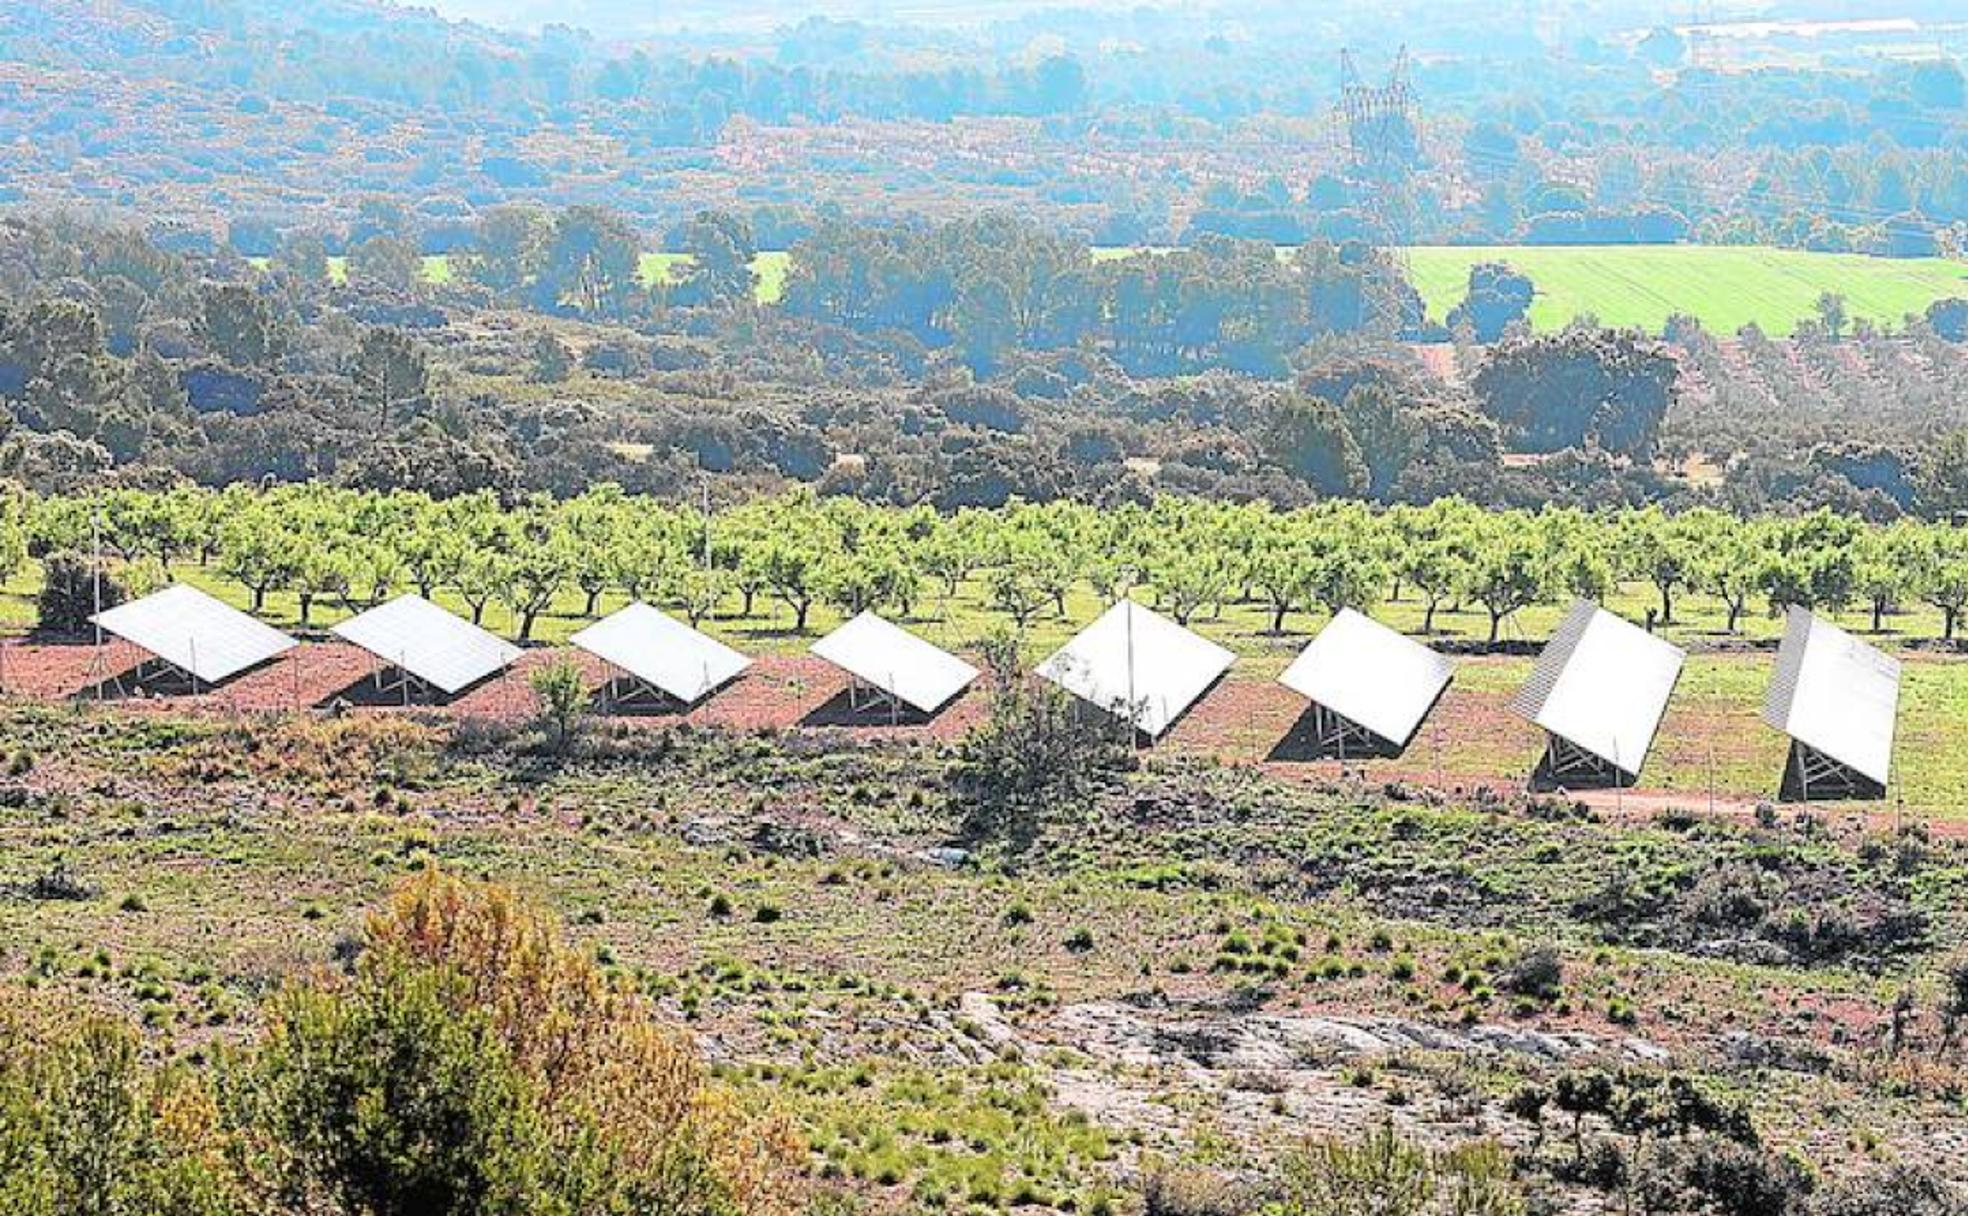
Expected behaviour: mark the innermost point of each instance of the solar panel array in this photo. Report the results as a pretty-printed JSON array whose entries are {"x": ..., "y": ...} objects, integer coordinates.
[
  {"x": 662, "y": 652},
  {"x": 437, "y": 647},
  {"x": 1370, "y": 675},
  {"x": 1602, "y": 684},
  {"x": 1835, "y": 694},
  {"x": 1138, "y": 665},
  {"x": 194, "y": 632},
  {"x": 898, "y": 663}
]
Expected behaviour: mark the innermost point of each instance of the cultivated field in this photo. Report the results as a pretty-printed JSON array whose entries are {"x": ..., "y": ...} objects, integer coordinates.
[{"x": 1723, "y": 287}]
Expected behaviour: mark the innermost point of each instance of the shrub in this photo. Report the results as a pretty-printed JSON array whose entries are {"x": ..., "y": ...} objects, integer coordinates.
[
  {"x": 1537, "y": 973},
  {"x": 86, "y": 1126},
  {"x": 1036, "y": 757},
  {"x": 472, "y": 1063},
  {"x": 563, "y": 693},
  {"x": 1385, "y": 1174},
  {"x": 1898, "y": 1190},
  {"x": 1169, "y": 1190},
  {"x": 68, "y": 593},
  {"x": 1713, "y": 1175}
]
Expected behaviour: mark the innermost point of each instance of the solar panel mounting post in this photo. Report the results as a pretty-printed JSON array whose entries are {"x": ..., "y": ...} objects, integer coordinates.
[{"x": 97, "y": 664}]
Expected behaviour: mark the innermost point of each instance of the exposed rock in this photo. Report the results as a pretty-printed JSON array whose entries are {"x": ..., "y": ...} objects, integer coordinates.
[
  {"x": 1273, "y": 1042},
  {"x": 704, "y": 833}
]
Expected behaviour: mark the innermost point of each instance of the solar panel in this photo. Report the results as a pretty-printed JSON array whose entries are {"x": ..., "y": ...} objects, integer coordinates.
[
  {"x": 422, "y": 640},
  {"x": 1835, "y": 694},
  {"x": 1602, "y": 685},
  {"x": 662, "y": 652},
  {"x": 195, "y": 633},
  {"x": 1131, "y": 656},
  {"x": 1371, "y": 675},
  {"x": 897, "y": 662}
]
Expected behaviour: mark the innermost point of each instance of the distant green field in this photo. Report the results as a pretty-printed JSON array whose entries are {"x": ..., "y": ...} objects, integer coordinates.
[{"x": 1726, "y": 287}]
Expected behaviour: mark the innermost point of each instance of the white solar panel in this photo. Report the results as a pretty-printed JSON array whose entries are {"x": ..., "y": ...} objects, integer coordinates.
[
  {"x": 195, "y": 633},
  {"x": 662, "y": 652},
  {"x": 1835, "y": 694},
  {"x": 1370, "y": 675},
  {"x": 897, "y": 662},
  {"x": 445, "y": 651},
  {"x": 1602, "y": 684},
  {"x": 1132, "y": 657}
]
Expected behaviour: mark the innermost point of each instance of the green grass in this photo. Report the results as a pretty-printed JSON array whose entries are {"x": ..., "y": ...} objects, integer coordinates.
[
  {"x": 1725, "y": 287},
  {"x": 226, "y": 854}
]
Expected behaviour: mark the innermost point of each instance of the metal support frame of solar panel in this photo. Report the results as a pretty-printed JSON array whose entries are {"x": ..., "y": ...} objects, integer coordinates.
[
  {"x": 425, "y": 647},
  {"x": 193, "y": 636},
  {"x": 1138, "y": 666},
  {"x": 1371, "y": 687},
  {"x": 1598, "y": 691},
  {"x": 889, "y": 667},
  {"x": 656, "y": 661},
  {"x": 1838, "y": 700}
]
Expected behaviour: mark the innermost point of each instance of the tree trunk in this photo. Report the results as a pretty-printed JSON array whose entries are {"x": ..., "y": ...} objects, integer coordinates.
[
  {"x": 594, "y": 598},
  {"x": 1278, "y": 617},
  {"x": 1496, "y": 624},
  {"x": 1667, "y": 604},
  {"x": 526, "y": 617},
  {"x": 799, "y": 615},
  {"x": 1428, "y": 620}
]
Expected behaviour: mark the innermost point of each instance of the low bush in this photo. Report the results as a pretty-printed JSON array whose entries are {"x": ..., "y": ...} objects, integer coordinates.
[{"x": 69, "y": 594}]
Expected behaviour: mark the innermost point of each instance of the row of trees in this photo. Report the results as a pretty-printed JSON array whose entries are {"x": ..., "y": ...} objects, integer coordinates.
[
  {"x": 991, "y": 286},
  {"x": 354, "y": 549}
]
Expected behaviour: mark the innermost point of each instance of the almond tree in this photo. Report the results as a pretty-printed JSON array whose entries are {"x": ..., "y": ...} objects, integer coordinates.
[
  {"x": 1511, "y": 571},
  {"x": 1941, "y": 575}
]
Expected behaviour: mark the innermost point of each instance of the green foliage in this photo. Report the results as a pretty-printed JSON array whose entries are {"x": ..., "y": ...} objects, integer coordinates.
[
  {"x": 564, "y": 700},
  {"x": 69, "y": 593},
  {"x": 1036, "y": 762},
  {"x": 473, "y": 1064},
  {"x": 390, "y": 1099},
  {"x": 88, "y": 1126},
  {"x": 1385, "y": 1174}
]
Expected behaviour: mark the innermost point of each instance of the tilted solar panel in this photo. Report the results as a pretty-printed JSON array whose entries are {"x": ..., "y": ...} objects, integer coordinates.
[
  {"x": 1835, "y": 694},
  {"x": 1370, "y": 675},
  {"x": 1602, "y": 684},
  {"x": 663, "y": 652},
  {"x": 195, "y": 633},
  {"x": 1132, "y": 657},
  {"x": 890, "y": 658},
  {"x": 439, "y": 648}
]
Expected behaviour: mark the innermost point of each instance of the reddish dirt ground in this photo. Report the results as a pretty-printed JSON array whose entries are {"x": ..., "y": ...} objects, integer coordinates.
[{"x": 1472, "y": 741}]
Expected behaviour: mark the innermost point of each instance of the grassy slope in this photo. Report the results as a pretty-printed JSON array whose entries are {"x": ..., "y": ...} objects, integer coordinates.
[
  {"x": 222, "y": 866},
  {"x": 1726, "y": 287}
]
